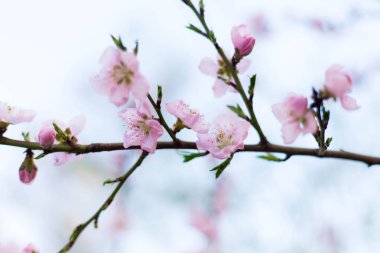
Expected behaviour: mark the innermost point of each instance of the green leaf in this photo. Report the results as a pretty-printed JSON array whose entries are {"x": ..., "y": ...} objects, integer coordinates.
[
  {"x": 110, "y": 181},
  {"x": 196, "y": 29},
  {"x": 159, "y": 94},
  {"x": 273, "y": 158},
  {"x": 61, "y": 134},
  {"x": 237, "y": 109},
  {"x": 26, "y": 136},
  {"x": 119, "y": 43},
  {"x": 221, "y": 167},
  {"x": 40, "y": 156},
  {"x": 328, "y": 141},
  {"x": 188, "y": 156},
  {"x": 136, "y": 49},
  {"x": 251, "y": 88}
]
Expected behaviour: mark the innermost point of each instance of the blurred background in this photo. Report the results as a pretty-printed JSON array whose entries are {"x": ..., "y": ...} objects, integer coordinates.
[{"x": 50, "y": 49}]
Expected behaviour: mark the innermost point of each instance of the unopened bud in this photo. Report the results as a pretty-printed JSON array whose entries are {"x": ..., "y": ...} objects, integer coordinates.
[{"x": 28, "y": 170}]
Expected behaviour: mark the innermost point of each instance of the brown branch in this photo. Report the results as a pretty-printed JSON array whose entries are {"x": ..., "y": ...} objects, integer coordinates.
[{"x": 272, "y": 148}]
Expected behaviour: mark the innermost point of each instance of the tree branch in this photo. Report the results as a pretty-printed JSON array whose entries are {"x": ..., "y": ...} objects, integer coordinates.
[{"x": 272, "y": 148}]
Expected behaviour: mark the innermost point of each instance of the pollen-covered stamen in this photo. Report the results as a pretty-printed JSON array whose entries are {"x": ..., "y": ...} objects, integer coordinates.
[
  {"x": 139, "y": 127},
  {"x": 223, "y": 139},
  {"x": 122, "y": 74}
]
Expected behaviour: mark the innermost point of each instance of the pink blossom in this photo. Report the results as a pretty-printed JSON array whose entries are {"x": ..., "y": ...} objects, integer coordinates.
[
  {"x": 143, "y": 130},
  {"x": 120, "y": 77},
  {"x": 14, "y": 115},
  {"x": 295, "y": 117},
  {"x": 225, "y": 136},
  {"x": 30, "y": 249},
  {"x": 338, "y": 83},
  {"x": 205, "y": 223},
  {"x": 46, "y": 137},
  {"x": 47, "y": 134},
  {"x": 190, "y": 118},
  {"x": 242, "y": 39},
  {"x": 211, "y": 68}
]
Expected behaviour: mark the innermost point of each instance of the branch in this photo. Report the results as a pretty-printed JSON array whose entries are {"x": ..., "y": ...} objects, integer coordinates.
[
  {"x": 272, "y": 148},
  {"x": 161, "y": 119},
  {"x": 232, "y": 69},
  {"x": 79, "y": 229}
]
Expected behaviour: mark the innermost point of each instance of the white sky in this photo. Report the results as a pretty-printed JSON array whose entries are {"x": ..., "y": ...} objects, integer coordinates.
[{"x": 50, "y": 49}]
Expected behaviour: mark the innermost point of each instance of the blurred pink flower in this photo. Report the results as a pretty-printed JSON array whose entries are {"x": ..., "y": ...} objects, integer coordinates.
[
  {"x": 295, "y": 117},
  {"x": 205, "y": 223},
  {"x": 190, "y": 118},
  {"x": 242, "y": 39},
  {"x": 259, "y": 24},
  {"x": 211, "y": 68},
  {"x": 9, "y": 248},
  {"x": 120, "y": 77},
  {"x": 338, "y": 83},
  {"x": 143, "y": 130},
  {"x": 14, "y": 115},
  {"x": 225, "y": 136},
  {"x": 30, "y": 249}
]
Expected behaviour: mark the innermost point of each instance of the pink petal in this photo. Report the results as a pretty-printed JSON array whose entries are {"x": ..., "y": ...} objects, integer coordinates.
[
  {"x": 310, "y": 125},
  {"x": 77, "y": 124},
  {"x": 243, "y": 65},
  {"x": 348, "y": 103},
  {"x": 60, "y": 158},
  {"x": 132, "y": 138},
  {"x": 110, "y": 56},
  {"x": 219, "y": 88},
  {"x": 208, "y": 67},
  {"x": 139, "y": 87},
  {"x": 119, "y": 95},
  {"x": 290, "y": 132}
]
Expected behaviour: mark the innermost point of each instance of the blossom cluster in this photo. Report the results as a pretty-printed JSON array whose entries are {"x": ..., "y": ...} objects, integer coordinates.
[{"x": 297, "y": 118}]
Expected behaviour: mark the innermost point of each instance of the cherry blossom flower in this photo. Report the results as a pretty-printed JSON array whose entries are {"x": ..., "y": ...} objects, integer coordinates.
[
  {"x": 120, "y": 77},
  {"x": 48, "y": 136},
  {"x": 225, "y": 136},
  {"x": 14, "y": 115},
  {"x": 211, "y": 68},
  {"x": 189, "y": 117},
  {"x": 295, "y": 117},
  {"x": 337, "y": 84},
  {"x": 30, "y": 249},
  {"x": 143, "y": 130},
  {"x": 242, "y": 39}
]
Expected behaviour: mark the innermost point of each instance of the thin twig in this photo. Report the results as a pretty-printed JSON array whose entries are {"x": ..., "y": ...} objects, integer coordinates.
[
  {"x": 162, "y": 119},
  {"x": 94, "y": 218}
]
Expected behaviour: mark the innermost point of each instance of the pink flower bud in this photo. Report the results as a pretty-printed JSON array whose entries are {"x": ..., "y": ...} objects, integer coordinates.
[
  {"x": 28, "y": 170},
  {"x": 242, "y": 39},
  {"x": 46, "y": 136}
]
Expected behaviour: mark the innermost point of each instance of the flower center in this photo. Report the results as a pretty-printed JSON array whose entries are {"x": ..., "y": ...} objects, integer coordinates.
[
  {"x": 141, "y": 126},
  {"x": 122, "y": 74},
  {"x": 223, "y": 140},
  {"x": 223, "y": 71}
]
